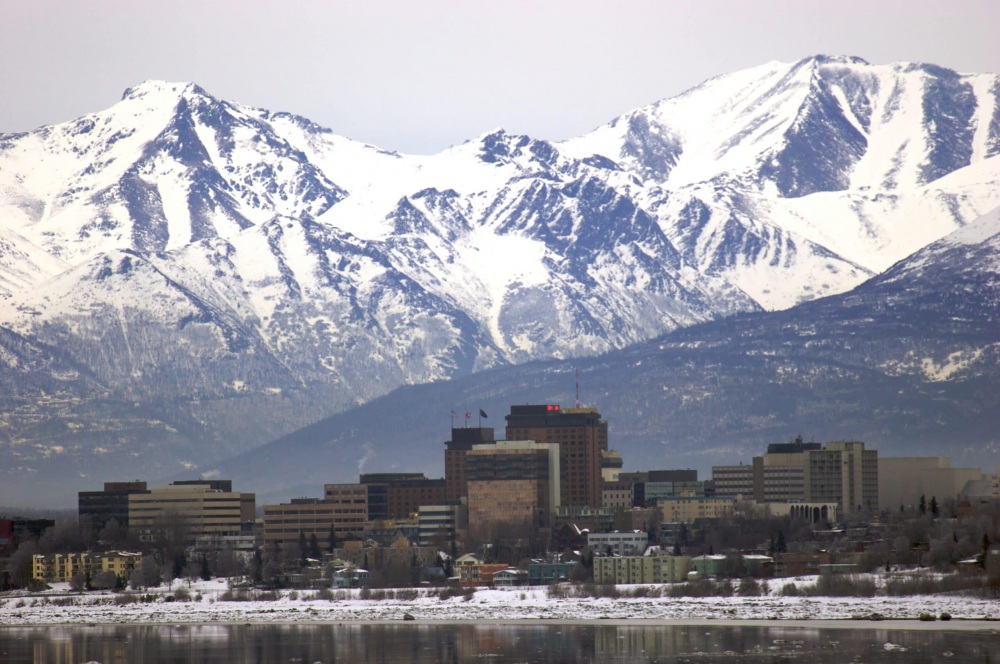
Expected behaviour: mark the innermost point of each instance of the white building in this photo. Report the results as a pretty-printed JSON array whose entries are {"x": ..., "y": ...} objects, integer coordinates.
[{"x": 620, "y": 544}]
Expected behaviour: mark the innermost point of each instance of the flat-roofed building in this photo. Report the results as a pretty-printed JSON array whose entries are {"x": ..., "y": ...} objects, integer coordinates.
[
  {"x": 189, "y": 510},
  {"x": 400, "y": 495},
  {"x": 582, "y": 436},
  {"x": 100, "y": 507},
  {"x": 512, "y": 486},
  {"x": 439, "y": 524},
  {"x": 619, "y": 543},
  {"x": 845, "y": 473},
  {"x": 903, "y": 480},
  {"x": 759, "y": 482},
  {"x": 616, "y": 494},
  {"x": 627, "y": 569},
  {"x": 461, "y": 442},
  {"x": 687, "y": 509},
  {"x": 312, "y": 517}
]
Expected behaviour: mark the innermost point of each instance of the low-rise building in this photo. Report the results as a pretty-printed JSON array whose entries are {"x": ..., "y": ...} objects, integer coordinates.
[
  {"x": 903, "y": 480},
  {"x": 619, "y": 543},
  {"x": 687, "y": 509},
  {"x": 480, "y": 574},
  {"x": 627, "y": 569},
  {"x": 313, "y": 517},
  {"x": 542, "y": 573},
  {"x": 61, "y": 567},
  {"x": 508, "y": 578}
]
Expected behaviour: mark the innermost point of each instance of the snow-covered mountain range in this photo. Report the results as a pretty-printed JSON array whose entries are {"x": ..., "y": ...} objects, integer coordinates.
[{"x": 233, "y": 273}]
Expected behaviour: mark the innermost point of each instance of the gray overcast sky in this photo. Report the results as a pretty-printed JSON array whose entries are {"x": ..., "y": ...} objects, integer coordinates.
[{"x": 420, "y": 75}]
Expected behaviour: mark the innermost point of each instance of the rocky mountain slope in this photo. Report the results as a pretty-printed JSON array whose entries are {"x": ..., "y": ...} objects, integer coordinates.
[{"x": 226, "y": 274}]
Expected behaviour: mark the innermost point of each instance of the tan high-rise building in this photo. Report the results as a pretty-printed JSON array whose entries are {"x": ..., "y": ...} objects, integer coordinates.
[
  {"x": 582, "y": 437},
  {"x": 189, "y": 510},
  {"x": 845, "y": 473},
  {"x": 511, "y": 485}
]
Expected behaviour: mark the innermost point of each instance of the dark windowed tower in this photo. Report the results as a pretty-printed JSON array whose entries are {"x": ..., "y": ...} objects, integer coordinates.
[
  {"x": 582, "y": 436},
  {"x": 462, "y": 440}
]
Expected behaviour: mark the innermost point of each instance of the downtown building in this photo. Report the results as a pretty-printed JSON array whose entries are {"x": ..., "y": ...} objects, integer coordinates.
[
  {"x": 582, "y": 437},
  {"x": 844, "y": 473},
  {"x": 513, "y": 487},
  {"x": 190, "y": 509}
]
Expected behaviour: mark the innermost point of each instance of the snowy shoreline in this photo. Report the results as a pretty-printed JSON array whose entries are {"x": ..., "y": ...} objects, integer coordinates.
[{"x": 528, "y": 605}]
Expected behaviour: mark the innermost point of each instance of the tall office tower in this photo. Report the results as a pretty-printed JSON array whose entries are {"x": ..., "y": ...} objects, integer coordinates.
[
  {"x": 99, "y": 507},
  {"x": 582, "y": 436},
  {"x": 513, "y": 487},
  {"x": 461, "y": 442},
  {"x": 844, "y": 472}
]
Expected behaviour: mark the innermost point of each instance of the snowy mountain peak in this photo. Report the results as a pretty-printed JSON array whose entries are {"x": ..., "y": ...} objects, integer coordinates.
[{"x": 157, "y": 91}]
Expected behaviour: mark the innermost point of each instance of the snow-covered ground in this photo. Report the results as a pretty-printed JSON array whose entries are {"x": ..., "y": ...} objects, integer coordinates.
[{"x": 528, "y": 603}]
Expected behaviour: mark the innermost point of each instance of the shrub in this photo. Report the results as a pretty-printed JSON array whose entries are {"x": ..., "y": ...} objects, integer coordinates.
[
  {"x": 790, "y": 590},
  {"x": 554, "y": 591},
  {"x": 324, "y": 594},
  {"x": 945, "y": 616},
  {"x": 293, "y": 596},
  {"x": 926, "y": 617},
  {"x": 244, "y": 595},
  {"x": 842, "y": 585},
  {"x": 749, "y": 587}
]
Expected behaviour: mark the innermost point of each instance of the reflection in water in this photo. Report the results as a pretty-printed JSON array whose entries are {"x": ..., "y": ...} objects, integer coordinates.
[{"x": 495, "y": 644}]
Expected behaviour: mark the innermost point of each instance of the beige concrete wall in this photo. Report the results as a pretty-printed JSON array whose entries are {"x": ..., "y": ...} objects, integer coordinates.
[{"x": 902, "y": 480}]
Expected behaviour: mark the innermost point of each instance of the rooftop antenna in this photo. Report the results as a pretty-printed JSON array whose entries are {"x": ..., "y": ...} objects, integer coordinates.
[{"x": 577, "y": 388}]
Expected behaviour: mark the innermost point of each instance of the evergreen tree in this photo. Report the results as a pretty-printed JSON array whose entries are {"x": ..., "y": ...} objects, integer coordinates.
[
  {"x": 981, "y": 558},
  {"x": 934, "y": 505},
  {"x": 677, "y": 548},
  {"x": 302, "y": 549},
  {"x": 180, "y": 562},
  {"x": 206, "y": 573},
  {"x": 314, "y": 550},
  {"x": 780, "y": 545},
  {"x": 257, "y": 566},
  {"x": 923, "y": 504}
]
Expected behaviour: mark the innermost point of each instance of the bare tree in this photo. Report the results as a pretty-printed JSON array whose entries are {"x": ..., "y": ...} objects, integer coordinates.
[
  {"x": 145, "y": 575},
  {"x": 105, "y": 580},
  {"x": 21, "y": 564}
]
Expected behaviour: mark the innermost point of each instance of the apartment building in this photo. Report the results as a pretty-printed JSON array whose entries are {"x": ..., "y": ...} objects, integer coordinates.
[
  {"x": 655, "y": 567},
  {"x": 61, "y": 567}
]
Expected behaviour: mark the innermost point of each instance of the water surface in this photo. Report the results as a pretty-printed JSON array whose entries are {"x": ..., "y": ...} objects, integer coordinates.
[{"x": 488, "y": 643}]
